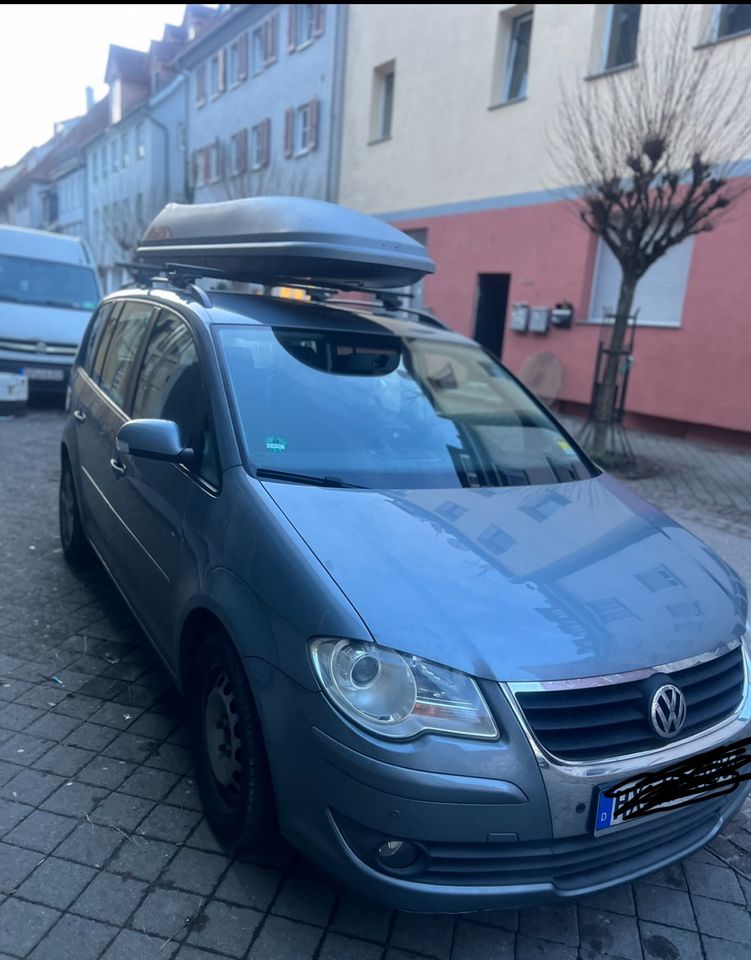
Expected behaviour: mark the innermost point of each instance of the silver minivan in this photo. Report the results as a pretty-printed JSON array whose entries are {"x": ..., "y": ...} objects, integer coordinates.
[{"x": 48, "y": 289}]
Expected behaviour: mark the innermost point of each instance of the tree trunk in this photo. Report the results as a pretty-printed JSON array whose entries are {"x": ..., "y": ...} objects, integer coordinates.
[{"x": 606, "y": 397}]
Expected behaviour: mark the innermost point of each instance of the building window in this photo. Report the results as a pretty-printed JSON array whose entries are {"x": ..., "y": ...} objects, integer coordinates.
[
  {"x": 495, "y": 540},
  {"x": 238, "y": 60},
  {"x": 382, "y": 103},
  {"x": 114, "y": 157},
  {"x": 621, "y": 35},
  {"x": 306, "y": 22},
  {"x": 22, "y": 199},
  {"x": 207, "y": 165},
  {"x": 201, "y": 85},
  {"x": 266, "y": 43},
  {"x": 217, "y": 74},
  {"x": 517, "y": 62},
  {"x": 238, "y": 153},
  {"x": 124, "y": 155},
  {"x": 659, "y": 294},
  {"x": 301, "y": 129},
  {"x": 260, "y": 140},
  {"x": 731, "y": 19},
  {"x": 140, "y": 142},
  {"x": 95, "y": 166},
  {"x": 542, "y": 508}
]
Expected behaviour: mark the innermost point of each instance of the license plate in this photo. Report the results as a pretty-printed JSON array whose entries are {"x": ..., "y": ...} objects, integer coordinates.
[
  {"x": 44, "y": 373},
  {"x": 701, "y": 777}
]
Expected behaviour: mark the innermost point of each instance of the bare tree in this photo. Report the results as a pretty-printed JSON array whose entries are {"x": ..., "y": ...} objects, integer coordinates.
[{"x": 651, "y": 150}]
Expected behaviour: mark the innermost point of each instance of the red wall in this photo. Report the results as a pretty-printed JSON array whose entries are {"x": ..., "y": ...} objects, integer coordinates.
[{"x": 699, "y": 373}]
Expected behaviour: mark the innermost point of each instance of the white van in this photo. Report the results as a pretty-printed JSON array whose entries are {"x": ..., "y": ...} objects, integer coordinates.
[{"x": 48, "y": 289}]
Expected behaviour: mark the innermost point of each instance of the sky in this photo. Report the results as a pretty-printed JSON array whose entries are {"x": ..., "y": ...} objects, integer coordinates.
[{"x": 50, "y": 53}]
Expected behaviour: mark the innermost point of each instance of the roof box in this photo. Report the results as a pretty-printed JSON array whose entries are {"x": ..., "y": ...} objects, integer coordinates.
[{"x": 276, "y": 240}]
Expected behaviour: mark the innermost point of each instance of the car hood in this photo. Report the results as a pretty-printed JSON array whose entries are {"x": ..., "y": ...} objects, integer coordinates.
[
  {"x": 521, "y": 583},
  {"x": 33, "y": 322}
]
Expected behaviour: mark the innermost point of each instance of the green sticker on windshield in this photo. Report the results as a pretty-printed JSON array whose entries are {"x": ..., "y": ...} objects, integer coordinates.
[
  {"x": 566, "y": 447},
  {"x": 277, "y": 444}
]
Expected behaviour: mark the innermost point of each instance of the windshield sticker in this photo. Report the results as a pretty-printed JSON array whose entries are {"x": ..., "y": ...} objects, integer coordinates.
[
  {"x": 566, "y": 447},
  {"x": 277, "y": 444}
]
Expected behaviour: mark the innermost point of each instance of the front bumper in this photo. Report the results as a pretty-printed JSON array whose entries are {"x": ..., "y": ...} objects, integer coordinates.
[
  {"x": 517, "y": 835},
  {"x": 44, "y": 377}
]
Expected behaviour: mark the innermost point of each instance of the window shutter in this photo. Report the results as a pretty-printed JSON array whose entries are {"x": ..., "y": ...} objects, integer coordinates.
[
  {"x": 292, "y": 27},
  {"x": 289, "y": 132},
  {"x": 265, "y": 141},
  {"x": 222, "y": 70},
  {"x": 242, "y": 50},
  {"x": 320, "y": 20},
  {"x": 206, "y": 164},
  {"x": 313, "y": 121},
  {"x": 273, "y": 38},
  {"x": 242, "y": 150},
  {"x": 192, "y": 166},
  {"x": 218, "y": 158},
  {"x": 201, "y": 84}
]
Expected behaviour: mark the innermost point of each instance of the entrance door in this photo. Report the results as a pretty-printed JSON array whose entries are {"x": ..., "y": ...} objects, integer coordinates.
[{"x": 490, "y": 310}]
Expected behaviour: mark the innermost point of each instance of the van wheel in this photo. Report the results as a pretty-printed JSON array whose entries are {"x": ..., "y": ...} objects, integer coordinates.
[
  {"x": 232, "y": 767},
  {"x": 76, "y": 548}
]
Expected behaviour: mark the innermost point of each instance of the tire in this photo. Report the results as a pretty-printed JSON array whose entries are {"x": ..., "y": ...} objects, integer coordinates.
[
  {"x": 232, "y": 767},
  {"x": 76, "y": 548}
]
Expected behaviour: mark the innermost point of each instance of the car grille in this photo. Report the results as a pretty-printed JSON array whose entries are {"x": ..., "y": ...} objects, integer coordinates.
[
  {"x": 611, "y": 719},
  {"x": 575, "y": 862},
  {"x": 29, "y": 346}
]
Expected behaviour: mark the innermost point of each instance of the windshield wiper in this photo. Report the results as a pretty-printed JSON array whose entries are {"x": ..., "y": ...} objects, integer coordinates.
[{"x": 265, "y": 473}]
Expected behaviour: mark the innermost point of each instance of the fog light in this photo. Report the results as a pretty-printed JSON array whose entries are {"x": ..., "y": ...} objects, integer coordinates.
[{"x": 398, "y": 854}]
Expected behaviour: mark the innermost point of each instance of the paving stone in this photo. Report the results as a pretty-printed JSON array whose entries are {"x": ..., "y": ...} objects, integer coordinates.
[
  {"x": 18, "y": 717},
  {"x": 85, "y": 938},
  {"x": 475, "y": 942},
  {"x": 195, "y": 870},
  {"x": 249, "y": 885},
  {"x": 115, "y": 715},
  {"x": 282, "y": 939},
  {"x": 337, "y": 947},
  {"x": 609, "y": 933},
  {"x": 671, "y": 876},
  {"x": 31, "y": 786},
  {"x": 121, "y": 810},
  {"x": 106, "y": 772},
  {"x": 360, "y": 916},
  {"x": 53, "y": 726},
  {"x": 728, "y": 921},
  {"x": 11, "y": 814},
  {"x": 185, "y": 794},
  {"x": 306, "y": 899},
  {"x": 503, "y": 919},
  {"x": 431, "y": 935},
  {"x": 24, "y": 749},
  {"x": 530, "y": 948},
  {"x": 56, "y": 883},
  {"x": 129, "y": 945},
  {"x": 91, "y": 736},
  {"x": 74, "y": 799},
  {"x": 22, "y": 925},
  {"x": 152, "y": 784},
  {"x": 663, "y": 905},
  {"x": 186, "y": 952},
  {"x": 203, "y": 837},
  {"x": 154, "y": 726},
  {"x": 110, "y": 897},
  {"x": 662, "y": 942},
  {"x": 169, "y": 823},
  {"x": 41, "y": 831},
  {"x": 64, "y": 761},
  {"x": 723, "y": 949},
  {"x": 167, "y": 913},
  {"x": 7, "y": 771},
  {"x": 714, "y": 881},
  {"x": 616, "y": 899},
  {"x": 172, "y": 757},
  {"x": 15, "y": 865},
  {"x": 225, "y": 927},
  {"x": 143, "y": 859},
  {"x": 90, "y": 844},
  {"x": 559, "y": 924}
]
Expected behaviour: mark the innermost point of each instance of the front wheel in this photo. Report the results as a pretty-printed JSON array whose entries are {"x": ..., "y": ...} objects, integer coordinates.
[
  {"x": 76, "y": 548},
  {"x": 232, "y": 767}
]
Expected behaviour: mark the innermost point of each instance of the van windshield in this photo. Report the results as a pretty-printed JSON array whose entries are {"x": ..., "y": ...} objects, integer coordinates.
[
  {"x": 378, "y": 410},
  {"x": 48, "y": 283}
]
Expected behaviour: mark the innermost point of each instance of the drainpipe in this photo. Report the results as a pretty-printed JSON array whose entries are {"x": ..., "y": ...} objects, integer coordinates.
[{"x": 336, "y": 118}]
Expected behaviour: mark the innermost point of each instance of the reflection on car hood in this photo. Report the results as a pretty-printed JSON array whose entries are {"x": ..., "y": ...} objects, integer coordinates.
[{"x": 519, "y": 583}]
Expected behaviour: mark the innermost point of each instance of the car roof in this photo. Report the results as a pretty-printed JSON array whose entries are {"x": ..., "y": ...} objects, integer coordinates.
[{"x": 220, "y": 307}]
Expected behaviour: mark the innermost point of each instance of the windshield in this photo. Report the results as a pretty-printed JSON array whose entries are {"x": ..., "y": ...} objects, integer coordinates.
[
  {"x": 376, "y": 410},
  {"x": 23, "y": 280}
]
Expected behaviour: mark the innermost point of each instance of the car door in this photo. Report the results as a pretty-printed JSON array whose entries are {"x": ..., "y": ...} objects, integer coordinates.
[
  {"x": 152, "y": 494},
  {"x": 99, "y": 409}
]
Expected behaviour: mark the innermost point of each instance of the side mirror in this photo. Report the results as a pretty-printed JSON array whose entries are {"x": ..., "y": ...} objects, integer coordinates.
[{"x": 153, "y": 439}]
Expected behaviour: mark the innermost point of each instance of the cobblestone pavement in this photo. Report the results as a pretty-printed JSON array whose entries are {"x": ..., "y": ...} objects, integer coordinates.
[{"x": 103, "y": 848}]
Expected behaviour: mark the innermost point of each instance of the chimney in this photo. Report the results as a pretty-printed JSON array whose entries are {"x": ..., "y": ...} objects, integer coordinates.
[{"x": 89, "y": 98}]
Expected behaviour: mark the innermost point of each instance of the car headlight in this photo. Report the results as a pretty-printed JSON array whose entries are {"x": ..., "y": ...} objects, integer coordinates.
[{"x": 398, "y": 695}]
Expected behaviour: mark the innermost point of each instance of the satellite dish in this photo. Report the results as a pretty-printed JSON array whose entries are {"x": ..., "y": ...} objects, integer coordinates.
[{"x": 542, "y": 373}]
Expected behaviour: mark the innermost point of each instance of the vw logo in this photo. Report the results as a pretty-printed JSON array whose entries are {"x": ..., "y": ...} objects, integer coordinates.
[
  {"x": 667, "y": 711},
  {"x": 41, "y": 346}
]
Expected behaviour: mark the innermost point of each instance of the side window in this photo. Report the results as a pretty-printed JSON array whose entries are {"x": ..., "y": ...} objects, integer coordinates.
[
  {"x": 127, "y": 332},
  {"x": 171, "y": 387},
  {"x": 93, "y": 333}
]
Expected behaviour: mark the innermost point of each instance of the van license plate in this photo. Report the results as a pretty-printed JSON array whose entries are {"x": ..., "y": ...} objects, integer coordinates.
[
  {"x": 44, "y": 373},
  {"x": 701, "y": 777}
]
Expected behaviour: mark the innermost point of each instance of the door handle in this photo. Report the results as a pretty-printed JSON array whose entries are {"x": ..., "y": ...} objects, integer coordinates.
[
  {"x": 118, "y": 467},
  {"x": 79, "y": 415}
]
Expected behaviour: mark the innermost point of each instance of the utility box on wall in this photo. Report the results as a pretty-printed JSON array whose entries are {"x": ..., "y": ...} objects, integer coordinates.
[
  {"x": 519, "y": 317},
  {"x": 539, "y": 319}
]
